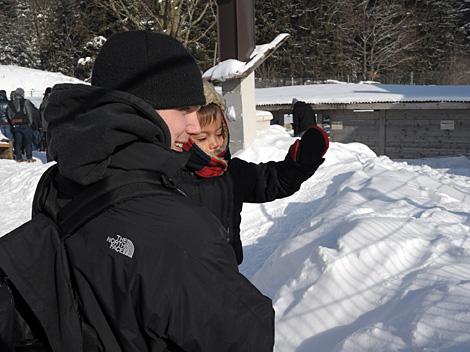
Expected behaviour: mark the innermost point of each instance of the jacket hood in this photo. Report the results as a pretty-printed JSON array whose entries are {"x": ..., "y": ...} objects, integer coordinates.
[{"x": 94, "y": 133}]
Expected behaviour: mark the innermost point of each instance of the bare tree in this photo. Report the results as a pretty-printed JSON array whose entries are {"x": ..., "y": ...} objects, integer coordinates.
[
  {"x": 382, "y": 35},
  {"x": 182, "y": 19}
]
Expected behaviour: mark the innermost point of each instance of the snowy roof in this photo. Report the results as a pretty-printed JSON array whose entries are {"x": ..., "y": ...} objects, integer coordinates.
[{"x": 355, "y": 93}]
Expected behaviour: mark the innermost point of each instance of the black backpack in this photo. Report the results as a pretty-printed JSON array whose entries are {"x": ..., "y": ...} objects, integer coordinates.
[
  {"x": 39, "y": 308},
  {"x": 19, "y": 116}
]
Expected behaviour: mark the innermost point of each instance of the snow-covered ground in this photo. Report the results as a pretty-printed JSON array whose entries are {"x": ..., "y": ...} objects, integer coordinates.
[
  {"x": 34, "y": 82},
  {"x": 370, "y": 255}
]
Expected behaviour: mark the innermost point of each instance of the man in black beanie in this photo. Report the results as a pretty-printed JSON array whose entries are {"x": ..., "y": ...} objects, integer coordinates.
[{"x": 154, "y": 272}]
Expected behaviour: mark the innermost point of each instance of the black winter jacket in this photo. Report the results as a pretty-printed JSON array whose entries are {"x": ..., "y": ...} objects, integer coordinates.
[
  {"x": 154, "y": 273},
  {"x": 244, "y": 182},
  {"x": 42, "y": 108},
  {"x": 4, "y": 113}
]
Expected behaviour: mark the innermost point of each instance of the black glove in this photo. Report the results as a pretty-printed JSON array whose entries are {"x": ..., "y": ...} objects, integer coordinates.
[{"x": 310, "y": 149}]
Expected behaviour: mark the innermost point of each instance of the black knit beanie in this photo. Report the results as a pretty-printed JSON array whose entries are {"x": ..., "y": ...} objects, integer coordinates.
[{"x": 151, "y": 66}]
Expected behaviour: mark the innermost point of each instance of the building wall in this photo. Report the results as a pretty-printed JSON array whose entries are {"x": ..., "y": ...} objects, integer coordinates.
[
  {"x": 402, "y": 133},
  {"x": 347, "y": 126},
  {"x": 427, "y": 133}
]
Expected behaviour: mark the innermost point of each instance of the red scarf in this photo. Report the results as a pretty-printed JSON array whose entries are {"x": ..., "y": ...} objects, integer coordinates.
[{"x": 205, "y": 165}]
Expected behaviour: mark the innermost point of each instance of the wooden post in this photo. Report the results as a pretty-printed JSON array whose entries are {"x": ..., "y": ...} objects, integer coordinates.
[
  {"x": 236, "y": 29},
  {"x": 381, "y": 132},
  {"x": 236, "y": 40}
]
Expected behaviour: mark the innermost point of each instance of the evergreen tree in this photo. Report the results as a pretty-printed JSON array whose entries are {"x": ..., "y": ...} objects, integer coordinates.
[
  {"x": 272, "y": 18},
  {"x": 7, "y": 20},
  {"x": 442, "y": 38},
  {"x": 343, "y": 39},
  {"x": 18, "y": 38},
  {"x": 64, "y": 36}
]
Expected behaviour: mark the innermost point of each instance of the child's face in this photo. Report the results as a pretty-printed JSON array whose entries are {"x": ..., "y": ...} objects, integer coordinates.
[{"x": 211, "y": 138}]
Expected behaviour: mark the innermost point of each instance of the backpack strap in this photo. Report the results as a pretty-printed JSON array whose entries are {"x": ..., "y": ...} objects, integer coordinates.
[
  {"x": 94, "y": 200},
  {"x": 106, "y": 193},
  {"x": 22, "y": 104}
]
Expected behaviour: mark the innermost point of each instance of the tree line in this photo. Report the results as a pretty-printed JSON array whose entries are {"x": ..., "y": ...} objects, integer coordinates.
[{"x": 391, "y": 41}]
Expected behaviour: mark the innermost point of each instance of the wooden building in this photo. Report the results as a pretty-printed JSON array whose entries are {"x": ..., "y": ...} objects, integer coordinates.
[{"x": 399, "y": 121}]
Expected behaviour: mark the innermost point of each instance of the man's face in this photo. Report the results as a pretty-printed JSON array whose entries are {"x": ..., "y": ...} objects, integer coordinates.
[{"x": 181, "y": 123}]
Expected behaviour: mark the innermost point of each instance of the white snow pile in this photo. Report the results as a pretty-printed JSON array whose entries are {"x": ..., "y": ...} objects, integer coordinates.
[
  {"x": 369, "y": 255},
  {"x": 3, "y": 138},
  {"x": 34, "y": 82}
]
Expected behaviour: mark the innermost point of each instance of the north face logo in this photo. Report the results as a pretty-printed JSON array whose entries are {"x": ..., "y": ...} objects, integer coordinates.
[{"x": 121, "y": 245}]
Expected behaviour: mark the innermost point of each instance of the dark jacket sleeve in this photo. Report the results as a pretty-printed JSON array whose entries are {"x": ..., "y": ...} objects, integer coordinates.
[
  {"x": 265, "y": 182},
  {"x": 33, "y": 115},
  {"x": 11, "y": 110}
]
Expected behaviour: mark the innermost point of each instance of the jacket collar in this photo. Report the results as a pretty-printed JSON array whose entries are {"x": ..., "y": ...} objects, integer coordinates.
[{"x": 94, "y": 133}]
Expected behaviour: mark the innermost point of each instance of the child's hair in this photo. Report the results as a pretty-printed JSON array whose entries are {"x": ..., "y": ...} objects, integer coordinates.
[{"x": 209, "y": 113}]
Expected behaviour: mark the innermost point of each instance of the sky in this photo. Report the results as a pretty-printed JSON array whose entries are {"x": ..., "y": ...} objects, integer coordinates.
[{"x": 371, "y": 254}]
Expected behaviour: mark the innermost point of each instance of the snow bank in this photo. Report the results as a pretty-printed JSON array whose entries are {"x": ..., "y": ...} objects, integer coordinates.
[{"x": 369, "y": 255}]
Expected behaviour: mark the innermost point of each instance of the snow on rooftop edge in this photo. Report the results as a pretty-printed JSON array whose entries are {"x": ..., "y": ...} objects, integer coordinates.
[
  {"x": 229, "y": 69},
  {"x": 349, "y": 93}
]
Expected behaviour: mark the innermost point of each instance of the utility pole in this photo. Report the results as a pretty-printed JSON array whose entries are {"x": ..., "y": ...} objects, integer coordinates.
[{"x": 236, "y": 41}]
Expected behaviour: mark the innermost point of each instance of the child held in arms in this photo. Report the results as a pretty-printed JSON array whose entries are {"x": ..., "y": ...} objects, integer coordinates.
[{"x": 223, "y": 184}]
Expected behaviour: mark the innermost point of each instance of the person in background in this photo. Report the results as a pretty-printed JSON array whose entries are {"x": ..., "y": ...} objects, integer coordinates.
[
  {"x": 303, "y": 117},
  {"x": 37, "y": 129},
  {"x": 21, "y": 117},
  {"x": 42, "y": 108},
  {"x": 223, "y": 184},
  {"x": 5, "y": 123}
]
